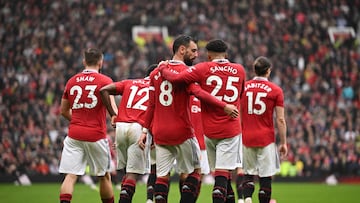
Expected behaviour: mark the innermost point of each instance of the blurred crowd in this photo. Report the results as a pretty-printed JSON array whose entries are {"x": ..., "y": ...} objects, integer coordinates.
[{"x": 41, "y": 45}]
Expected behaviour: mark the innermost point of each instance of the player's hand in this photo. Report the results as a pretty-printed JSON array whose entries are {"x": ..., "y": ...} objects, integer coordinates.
[
  {"x": 113, "y": 123},
  {"x": 142, "y": 141},
  {"x": 283, "y": 151},
  {"x": 114, "y": 146},
  {"x": 162, "y": 65},
  {"x": 231, "y": 110},
  {"x": 165, "y": 63}
]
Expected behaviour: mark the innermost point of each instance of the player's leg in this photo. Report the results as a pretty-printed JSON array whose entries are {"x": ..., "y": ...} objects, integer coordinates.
[
  {"x": 72, "y": 164},
  {"x": 151, "y": 184},
  {"x": 240, "y": 174},
  {"x": 226, "y": 150},
  {"x": 248, "y": 187},
  {"x": 230, "y": 195},
  {"x": 98, "y": 158},
  {"x": 269, "y": 165},
  {"x": 239, "y": 187},
  {"x": 106, "y": 189},
  {"x": 264, "y": 194},
  {"x": 205, "y": 168},
  {"x": 188, "y": 162},
  {"x": 67, "y": 188},
  {"x": 135, "y": 163},
  {"x": 164, "y": 163},
  {"x": 251, "y": 165},
  {"x": 182, "y": 178},
  {"x": 220, "y": 184}
]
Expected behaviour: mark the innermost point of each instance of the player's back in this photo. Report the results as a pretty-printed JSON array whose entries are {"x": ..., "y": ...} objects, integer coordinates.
[
  {"x": 88, "y": 119},
  {"x": 258, "y": 104},
  {"x": 225, "y": 81},
  {"x": 134, "y": 100},
  {"x": 171, "y": 120}
]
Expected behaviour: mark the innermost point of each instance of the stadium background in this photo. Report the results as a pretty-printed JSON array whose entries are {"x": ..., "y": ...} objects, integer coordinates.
[{"x": 41, "y": 44}]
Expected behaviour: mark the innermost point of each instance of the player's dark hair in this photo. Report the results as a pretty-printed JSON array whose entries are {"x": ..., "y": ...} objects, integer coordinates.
[
  {"x": 216, "y": 45},
  {"x": 150, "y": 68},
  {"x": 182, "y": 40},
  {"x": 261, "y": 65},
  {"x": 92, "y": 56}
]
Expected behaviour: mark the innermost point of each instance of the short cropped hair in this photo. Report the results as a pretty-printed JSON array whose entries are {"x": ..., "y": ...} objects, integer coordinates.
[
  {"x": 216, "y": 45},
  {"x": 92, "y": 56},
  {"x": 261, "y": 65},
  {"x": 182, "y": 40}
]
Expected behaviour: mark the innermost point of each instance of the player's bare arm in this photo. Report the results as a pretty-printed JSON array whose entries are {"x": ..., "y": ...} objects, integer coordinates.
[
  {"x": 65, "y": 109},
  {"x": 106, "y": 93},
  {"x": 281, "y": 125},
  {"x": 231, "y": 110},
  {"x": 142, "y": 140}
]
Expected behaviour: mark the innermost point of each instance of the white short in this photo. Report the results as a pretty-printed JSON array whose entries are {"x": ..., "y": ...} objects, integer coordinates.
[
  {"x": 149, "y": 153},
  {"x": 129, "y": 154},
  {"x": 224, "y": 153},
  {"x": 239, "y": 163},
  {"x": 262, "y": 161},
  {"x": 204, "y": 162},
  {"x": 187, "y": 156},
  {"x": 152, "y": 157},
  {"x": 77, "y": 155}
]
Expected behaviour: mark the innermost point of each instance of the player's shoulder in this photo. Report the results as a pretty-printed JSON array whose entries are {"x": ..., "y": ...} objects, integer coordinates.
[
  {"x": 275, "y": 86},
  {"x": 105, "y": 77}
]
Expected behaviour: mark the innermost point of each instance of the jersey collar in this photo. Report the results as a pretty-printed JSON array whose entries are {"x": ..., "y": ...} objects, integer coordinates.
[
  {"x": 260, "y": 78},
  {"x": 220, "y": 60},
  {"x": 176, "y": 62},
  {"x": 90, "y": 71}
]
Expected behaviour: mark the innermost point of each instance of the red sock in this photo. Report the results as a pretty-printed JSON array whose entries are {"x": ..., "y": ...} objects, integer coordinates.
[{"x": 65, "y": 198}]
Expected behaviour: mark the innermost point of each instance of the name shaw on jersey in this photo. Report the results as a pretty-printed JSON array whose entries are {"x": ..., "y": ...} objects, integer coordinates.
[
  {"x": 229, "y": 69},
  {"x": 85, "y": 78},
  {"x": 258, "y": 85}
]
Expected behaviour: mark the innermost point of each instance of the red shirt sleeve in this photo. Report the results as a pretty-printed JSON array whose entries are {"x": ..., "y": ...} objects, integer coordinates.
[
  {"x": 205, "y": 96},
  {"x": 187, "y": 76},
  {"x": 150, "y": 109}
]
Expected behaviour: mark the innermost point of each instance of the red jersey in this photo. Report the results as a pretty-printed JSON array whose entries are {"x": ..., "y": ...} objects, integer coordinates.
[
  {"x": 196, "y": 120},
  {"x": 169, "y": 109},
  {"x": 225, "y": 81},
  {"x": 134, "y": 100},
  {"x": 88, "y": 119},
  {"x": 258, "y": 104}
]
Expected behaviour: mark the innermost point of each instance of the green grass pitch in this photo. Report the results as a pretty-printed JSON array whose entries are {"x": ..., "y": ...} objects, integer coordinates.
[{"x": 282, "y": 193}]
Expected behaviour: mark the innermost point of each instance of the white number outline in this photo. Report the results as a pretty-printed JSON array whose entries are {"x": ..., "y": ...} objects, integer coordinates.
[
  {"x": 76, "y": 89},
  {"x": 140, "y": 103},
  {"x": 251, "y": 103},
  {"x": 165, "y": 92},
  {"x": 229, "y": 86}
]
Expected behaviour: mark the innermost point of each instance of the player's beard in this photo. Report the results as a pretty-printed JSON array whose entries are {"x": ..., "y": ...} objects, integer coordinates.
[{"x": 188, "y": 61}]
